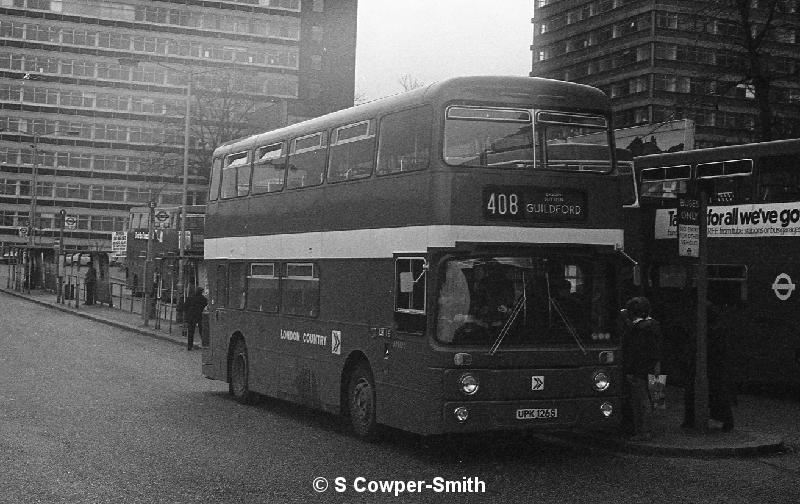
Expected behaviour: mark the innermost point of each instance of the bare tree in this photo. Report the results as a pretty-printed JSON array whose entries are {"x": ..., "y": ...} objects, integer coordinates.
[
  {"x": 359, "y": 97},
  {"x": 226, "y": 106},
  {"x": 754, "y": 31},
  {"x": 408, "y": 82}
]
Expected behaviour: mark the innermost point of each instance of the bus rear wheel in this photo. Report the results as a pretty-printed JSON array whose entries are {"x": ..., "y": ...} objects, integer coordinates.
[
  {"x": 239, "y": 386},
  {"x": 361, "y": 402}
]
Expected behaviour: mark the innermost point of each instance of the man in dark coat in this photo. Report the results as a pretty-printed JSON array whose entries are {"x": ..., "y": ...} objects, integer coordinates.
[
  {"x": 193, "y": 314},
  {"x": 641, "y": 354},
  {"x": 90, "y": 281}
]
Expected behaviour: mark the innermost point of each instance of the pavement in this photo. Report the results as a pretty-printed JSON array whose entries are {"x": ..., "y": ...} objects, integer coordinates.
[
  {"x": 763, "y": 425},
  {"x": 116, "y": 317}
]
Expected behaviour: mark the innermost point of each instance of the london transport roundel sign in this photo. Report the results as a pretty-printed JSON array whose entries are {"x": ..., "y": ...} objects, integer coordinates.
[{"x": 783, "y": 287}]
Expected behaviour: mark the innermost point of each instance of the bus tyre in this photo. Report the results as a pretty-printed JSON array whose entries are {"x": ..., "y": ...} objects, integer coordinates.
[
  {"x": 239, "y": 386},
  {"x": 361, "y": 402}
]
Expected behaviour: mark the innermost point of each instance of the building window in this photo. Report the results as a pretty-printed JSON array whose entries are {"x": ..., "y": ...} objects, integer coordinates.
[
  {"x": 667, "y": 20},
  {"x": 637, "y": 85},
  {"x": 317, "y": 34}
]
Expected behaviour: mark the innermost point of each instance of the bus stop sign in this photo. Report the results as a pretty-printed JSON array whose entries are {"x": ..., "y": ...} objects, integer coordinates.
[{"x": 688, "y": 226}]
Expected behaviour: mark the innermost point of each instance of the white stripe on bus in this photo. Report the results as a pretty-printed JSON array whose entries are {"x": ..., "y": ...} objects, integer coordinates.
[{"x": 384, "y": 242}]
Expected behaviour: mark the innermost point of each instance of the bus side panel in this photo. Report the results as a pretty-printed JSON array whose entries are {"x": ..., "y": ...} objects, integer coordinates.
[
  {"x": 408, "y": 387},
  {"x": 765, "y": 330}
]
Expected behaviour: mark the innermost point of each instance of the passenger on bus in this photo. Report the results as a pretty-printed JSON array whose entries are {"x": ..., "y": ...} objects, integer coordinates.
[
  {"x": 454, "y": 301},
  {"x": 494, "y": 294}
]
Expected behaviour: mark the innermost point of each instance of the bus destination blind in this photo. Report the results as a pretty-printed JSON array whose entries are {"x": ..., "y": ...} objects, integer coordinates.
[{"x": 534, "y": 204}]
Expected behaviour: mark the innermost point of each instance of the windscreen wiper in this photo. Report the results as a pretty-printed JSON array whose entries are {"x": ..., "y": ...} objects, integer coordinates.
[
  {"x": 553, "y": 305},
  {"x": 518, "y": 306},
  {"x": 567, "y": 323}
]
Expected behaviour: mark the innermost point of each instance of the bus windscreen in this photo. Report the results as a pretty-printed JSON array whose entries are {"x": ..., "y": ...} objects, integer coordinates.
[
  {"x": 525, "y": 301},
  {"x": 510, "y": 138}
]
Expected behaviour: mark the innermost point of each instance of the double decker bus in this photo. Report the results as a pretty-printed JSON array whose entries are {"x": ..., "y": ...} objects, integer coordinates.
[
  {"x": 444, "y": 260},
  {"x": 753, "y": 223},
  {"x": 164, "y": 245}
]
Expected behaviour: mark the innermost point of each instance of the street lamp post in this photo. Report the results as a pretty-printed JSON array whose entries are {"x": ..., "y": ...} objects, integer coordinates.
[
  {"x": 148, "y": 266},
  {"x": 32, "y": 210},
  {"x": 33, "y": 204},
  {"x": 184, "y": 192}
]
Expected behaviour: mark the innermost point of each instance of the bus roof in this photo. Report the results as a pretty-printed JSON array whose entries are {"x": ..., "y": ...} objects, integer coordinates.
[
  {"x": 728, "y": 152},
  {"x": 505, "y": 90}
]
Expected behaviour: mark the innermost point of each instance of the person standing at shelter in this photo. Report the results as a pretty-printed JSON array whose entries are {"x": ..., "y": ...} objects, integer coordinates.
[
  {"x": 641, "y": 354},
  {"x": 193, "y": 314},
  {"x": 721, "y": 390},
  {"x": 90, "y": 283}
]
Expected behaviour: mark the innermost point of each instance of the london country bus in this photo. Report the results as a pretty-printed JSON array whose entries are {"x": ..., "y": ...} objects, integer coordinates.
[
  {"x": 444, "y": 260},
  {"x": 164, "y": 247},
  {"x": 753, "y": 253}
]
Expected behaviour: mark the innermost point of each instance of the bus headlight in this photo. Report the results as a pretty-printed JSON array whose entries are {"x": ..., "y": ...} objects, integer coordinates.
[
  {"x": 607, "y": 409},
  {"x": 601, "y": 381},
  {"x": 461, "y": 413},
  {"x": 469, "y": 383}
]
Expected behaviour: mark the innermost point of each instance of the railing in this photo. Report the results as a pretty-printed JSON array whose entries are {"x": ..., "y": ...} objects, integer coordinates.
[{"x": 71, "y": 291}]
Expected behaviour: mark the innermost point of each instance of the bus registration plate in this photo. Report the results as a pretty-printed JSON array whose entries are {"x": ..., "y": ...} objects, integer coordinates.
[{"x": 537, "y": 413}]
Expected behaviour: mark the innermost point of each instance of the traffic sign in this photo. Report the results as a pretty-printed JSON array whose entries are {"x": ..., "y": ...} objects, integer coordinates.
[
  {"x": 70, "y": 222},
  {"x": 23, "y": 231},
  {"x": 162, "y": 215},
  {"x": 783, "y": 286}
]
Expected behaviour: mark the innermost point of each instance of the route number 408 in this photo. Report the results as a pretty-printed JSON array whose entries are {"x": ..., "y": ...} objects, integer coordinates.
[{"x": 503, "y": 204}]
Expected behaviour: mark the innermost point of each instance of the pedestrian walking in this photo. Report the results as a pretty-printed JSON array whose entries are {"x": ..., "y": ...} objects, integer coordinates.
[
  {"x": 193, "y": 314},
  {"x": 90, "y": 283},
  {"x": 641, "y": 354}
]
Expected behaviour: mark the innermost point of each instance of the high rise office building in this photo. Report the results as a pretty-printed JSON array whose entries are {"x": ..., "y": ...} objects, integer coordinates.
[
  {"x": 663, "y": 60},
  {"x": 93, "y": 98}
]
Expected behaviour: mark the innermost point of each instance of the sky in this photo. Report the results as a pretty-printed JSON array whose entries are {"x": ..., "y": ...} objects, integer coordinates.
[{"x": 431, "y": 40}]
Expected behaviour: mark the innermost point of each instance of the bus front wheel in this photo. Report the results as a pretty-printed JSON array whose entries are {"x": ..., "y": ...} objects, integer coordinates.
[
  {"x": 239, "y": 386},
  {"x": 361, "y": 402}
]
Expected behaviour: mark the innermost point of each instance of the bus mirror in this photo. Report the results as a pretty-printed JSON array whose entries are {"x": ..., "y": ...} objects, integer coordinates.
[
  {"x": 637, "y": 275},
  {"x": 406, "y": 282}
]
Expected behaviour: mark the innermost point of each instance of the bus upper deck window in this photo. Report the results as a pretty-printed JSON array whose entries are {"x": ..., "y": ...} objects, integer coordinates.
[
  {"x": 235, "y": 175},
  {"x": 571, "y": 141},
  {"x": 351, "y": 151},
  {"x": 778, "y": 179},
  {"x": 729, "y": 181},
  {"x": 404, "y": 141},
  {"x": 488, "y": 137},
  {"x": 269, "y": 169},
  {"x": 307, "y": 161}
]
